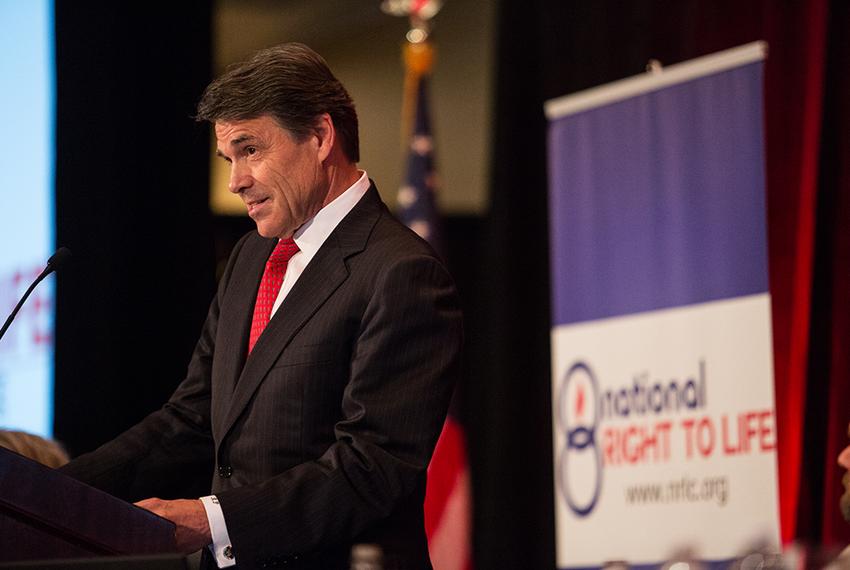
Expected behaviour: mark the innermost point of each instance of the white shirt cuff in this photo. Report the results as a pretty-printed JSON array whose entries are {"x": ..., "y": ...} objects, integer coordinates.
[{"x": 220, "y": 547}]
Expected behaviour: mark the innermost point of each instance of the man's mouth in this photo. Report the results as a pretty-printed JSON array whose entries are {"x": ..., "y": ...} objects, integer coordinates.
[{"x": 255, "y": 203}]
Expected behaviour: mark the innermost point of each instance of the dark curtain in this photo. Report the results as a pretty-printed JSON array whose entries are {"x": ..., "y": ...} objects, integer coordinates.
[
  {"x": 549, "y": 48},
  {"x": 131, "y": 203}
]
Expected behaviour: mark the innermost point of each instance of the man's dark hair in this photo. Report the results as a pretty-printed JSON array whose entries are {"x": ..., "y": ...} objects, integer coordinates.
[{"x": 289, "y": 82}]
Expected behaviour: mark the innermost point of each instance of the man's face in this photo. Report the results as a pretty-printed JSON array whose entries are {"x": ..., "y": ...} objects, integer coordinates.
[
  {"x": 280, "y": 179},
  {"x": 844, "y": 461}
]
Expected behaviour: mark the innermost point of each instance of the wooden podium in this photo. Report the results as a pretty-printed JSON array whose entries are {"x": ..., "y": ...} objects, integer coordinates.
[{"x": 46, "y": 515}]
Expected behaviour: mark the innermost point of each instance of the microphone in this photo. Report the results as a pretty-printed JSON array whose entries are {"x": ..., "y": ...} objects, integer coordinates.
[{"x": 57, "y": 260}]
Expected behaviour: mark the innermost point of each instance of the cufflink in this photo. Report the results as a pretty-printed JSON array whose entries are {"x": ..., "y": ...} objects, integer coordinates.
[{"x": 228, "y": 552}]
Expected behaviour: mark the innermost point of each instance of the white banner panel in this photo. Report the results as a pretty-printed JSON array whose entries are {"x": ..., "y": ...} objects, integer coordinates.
[{"x": 677, "y": 405}]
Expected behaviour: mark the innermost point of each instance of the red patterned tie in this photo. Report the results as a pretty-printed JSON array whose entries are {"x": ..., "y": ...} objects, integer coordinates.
[{"x": 270, "y": 287}]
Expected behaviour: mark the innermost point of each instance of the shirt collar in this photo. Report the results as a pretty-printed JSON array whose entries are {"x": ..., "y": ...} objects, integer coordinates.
[{"x": 313, "y": 233}]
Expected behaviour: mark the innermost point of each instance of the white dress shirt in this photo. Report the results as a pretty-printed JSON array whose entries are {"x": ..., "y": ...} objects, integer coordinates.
[{"x": 309, "y": 238}]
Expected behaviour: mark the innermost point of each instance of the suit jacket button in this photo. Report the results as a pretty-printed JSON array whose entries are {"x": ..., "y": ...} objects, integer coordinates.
[{"x": 225, "y": 471}]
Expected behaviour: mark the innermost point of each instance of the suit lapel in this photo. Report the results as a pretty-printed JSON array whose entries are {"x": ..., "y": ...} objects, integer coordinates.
[
  {"x": 322, "y": 276},
  {"x": 235, "y": 324}
]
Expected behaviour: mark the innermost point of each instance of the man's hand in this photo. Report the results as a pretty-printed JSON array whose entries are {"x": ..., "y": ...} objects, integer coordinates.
[{"x": 193, "y": 530}]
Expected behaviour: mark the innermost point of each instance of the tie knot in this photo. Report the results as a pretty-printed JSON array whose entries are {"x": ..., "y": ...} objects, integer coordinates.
[{"x": 284, "y": 250}]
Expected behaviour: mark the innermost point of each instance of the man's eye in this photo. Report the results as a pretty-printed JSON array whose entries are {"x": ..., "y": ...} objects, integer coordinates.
[{"x": 250, "y": 150}]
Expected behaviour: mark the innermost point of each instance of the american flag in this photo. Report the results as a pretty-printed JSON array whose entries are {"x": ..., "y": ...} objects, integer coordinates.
[
  {"x": 417, "y": 197},
  {"x": 447, "y": 497}
]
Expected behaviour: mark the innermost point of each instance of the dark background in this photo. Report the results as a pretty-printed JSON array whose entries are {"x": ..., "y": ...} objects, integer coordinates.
[{"x": 132, "y": 194}]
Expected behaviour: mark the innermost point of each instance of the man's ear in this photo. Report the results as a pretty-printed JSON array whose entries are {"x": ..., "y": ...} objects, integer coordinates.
[{"x": 325, "y": 134}]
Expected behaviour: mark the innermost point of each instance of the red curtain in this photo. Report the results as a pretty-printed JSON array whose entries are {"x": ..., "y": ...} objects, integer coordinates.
[
  {"x": 832, "y": 270},
  {"x": 806, "y": 99},
  {"x": 793, "y": 95}
]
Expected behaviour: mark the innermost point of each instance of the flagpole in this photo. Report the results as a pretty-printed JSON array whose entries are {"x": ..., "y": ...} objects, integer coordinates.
[
  {"x": 417, "y": 53},
  {"x": 418, "y": 63}
]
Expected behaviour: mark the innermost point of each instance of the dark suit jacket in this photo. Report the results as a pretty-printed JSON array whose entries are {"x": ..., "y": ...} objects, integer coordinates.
[{"x": 322, "y": 436}]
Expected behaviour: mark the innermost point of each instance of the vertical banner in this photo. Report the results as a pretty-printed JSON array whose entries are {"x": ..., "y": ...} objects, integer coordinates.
[
  {"x": 26, "y": 212},
  {"x": 662, "y": 367}
]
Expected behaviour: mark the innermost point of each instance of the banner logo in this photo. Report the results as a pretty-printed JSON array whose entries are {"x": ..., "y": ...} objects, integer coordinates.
[{"x": 580, "y": 462}]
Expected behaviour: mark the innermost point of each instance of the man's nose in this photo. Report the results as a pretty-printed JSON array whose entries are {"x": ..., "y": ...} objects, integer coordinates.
[{"x": 240, "y": 178}]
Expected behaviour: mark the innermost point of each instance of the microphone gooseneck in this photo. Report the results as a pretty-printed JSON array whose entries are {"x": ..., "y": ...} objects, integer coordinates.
[{"x": 57, "y": 260}]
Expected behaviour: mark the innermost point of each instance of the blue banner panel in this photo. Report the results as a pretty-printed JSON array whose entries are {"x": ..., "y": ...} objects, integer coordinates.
[{"x": 658, "y": 201}]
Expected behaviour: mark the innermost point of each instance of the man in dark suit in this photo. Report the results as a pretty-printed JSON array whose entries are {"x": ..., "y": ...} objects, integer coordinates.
[{"x": 322, "y": 376}]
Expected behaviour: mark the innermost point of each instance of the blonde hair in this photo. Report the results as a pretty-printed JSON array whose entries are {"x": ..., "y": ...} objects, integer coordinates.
[{"x": 45, "y": 451}]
